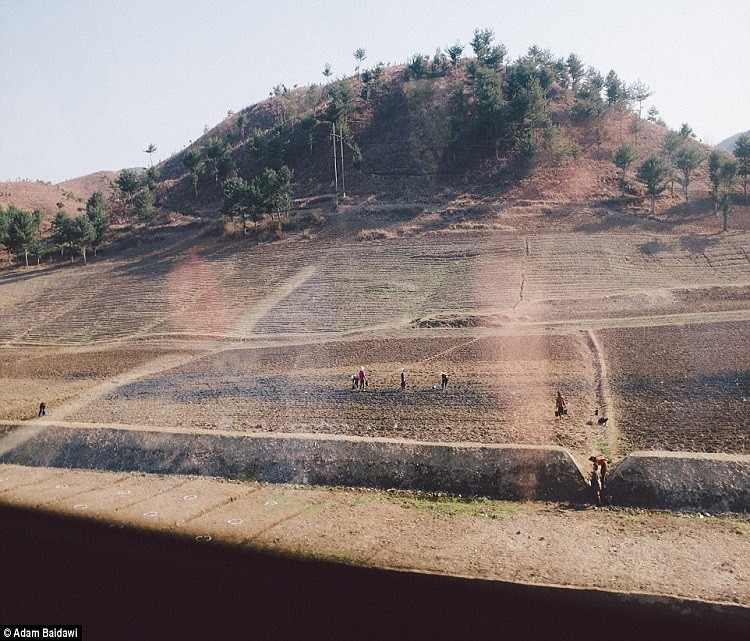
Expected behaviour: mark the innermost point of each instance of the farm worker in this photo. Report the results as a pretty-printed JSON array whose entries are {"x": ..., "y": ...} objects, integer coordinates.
[
  {"x": 596, "y": 486},
  {"x": 42, "y": 409},
  {"x": 403, "y": 378},
  {"x": 354, "y": 381},
  {"x": 561, "y": 408},
  {"x": 362, "y": 376},
  {"x": 601, "y": 461},
  {"x": 443, "y": 379}
]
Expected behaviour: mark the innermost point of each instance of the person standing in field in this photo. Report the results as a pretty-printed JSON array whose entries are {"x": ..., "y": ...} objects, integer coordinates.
[
  {"x": 601, "y": 461},
  {"x": 561, "y": 407},
  {"x": 362, "y": 376},
  {"x": 443, "y": 380},
  {"x": 403, "y": 379},
  {"x": 596, "y": 486}
]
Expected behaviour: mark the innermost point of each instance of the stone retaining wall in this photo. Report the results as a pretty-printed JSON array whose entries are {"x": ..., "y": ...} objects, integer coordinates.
[
  {"x": 682, "y": 481},
  {"x": 513, "y": 472},
  {"x": 661, "y": 480}
]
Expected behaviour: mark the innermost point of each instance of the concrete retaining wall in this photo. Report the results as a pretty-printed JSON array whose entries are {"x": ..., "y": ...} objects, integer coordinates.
[
  {"x": 511, "y": 472},
  {"x": 662, "y": 480},
  {"x": 682, "y": 481}
]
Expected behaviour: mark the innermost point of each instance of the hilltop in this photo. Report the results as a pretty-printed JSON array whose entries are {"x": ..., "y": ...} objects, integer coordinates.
[
  {"x": 471, "y": 141},
  {"x": 72, "y": 194}
]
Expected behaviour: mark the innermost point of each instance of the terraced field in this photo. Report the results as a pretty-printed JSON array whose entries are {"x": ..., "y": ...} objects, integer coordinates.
[{"x": 192, "y": 332}]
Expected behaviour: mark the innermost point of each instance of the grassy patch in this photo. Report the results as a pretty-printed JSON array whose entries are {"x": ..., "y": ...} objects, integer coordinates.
[
  {"x": 458, "y": 506},
  {"x": 360, "y": 501},
  {"x": 317, "y": 507}
]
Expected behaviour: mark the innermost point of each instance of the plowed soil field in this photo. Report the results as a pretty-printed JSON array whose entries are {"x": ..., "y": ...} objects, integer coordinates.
[
  {"x": 649, "y": 331},
  {"x": 644, "y": 328}
]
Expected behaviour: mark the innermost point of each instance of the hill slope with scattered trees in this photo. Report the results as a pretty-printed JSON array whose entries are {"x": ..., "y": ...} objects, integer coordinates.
[{"x": 442, "y": 129}]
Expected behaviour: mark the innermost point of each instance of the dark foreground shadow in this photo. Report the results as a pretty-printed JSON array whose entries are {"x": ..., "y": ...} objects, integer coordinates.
[{"x": 121, "y": 583}]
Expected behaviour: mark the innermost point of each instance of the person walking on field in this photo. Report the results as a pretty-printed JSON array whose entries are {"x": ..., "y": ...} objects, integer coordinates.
[
  {"x": 601, "y": 461},
  {"x": 443, "y": 380},
  {"x": 561, "y": 407},
  {"x": 362, "y": 376},
  {"x": 403, "y": 379}
]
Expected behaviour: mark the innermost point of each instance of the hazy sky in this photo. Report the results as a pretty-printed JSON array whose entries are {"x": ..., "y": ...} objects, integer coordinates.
[{"x": 87, "y": 85}]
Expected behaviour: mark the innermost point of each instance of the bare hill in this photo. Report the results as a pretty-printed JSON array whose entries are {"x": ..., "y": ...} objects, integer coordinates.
[
  {"x": 728, "y": 143},
  {"x": 72, "y": 194}
]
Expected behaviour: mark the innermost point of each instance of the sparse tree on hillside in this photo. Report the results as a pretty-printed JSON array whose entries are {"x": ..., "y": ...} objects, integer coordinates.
[
  {"x": 577, "y": 71},
  {"x": 152, "y": 177},
  {"x": 128, "y": 183},
  {"x": 487, "y": 54},
  {"x": 3, "y": 228},
  {"x": 327, "y": 72},
  {"x": 241, "y": 123},
  {"x": 655, "y": 117},
  {"x": 215, "y": 151},
  {"x": 240, "y": 199},
  {"x": 672, "y": 143},
  {"x": 274, "y": 189},
  {"x": 491, "y": 105},
  {"x": 716, "y": 175},
  {"x": 727, "y": 176},
  {"x": 653, "y": 173},
  {"x": 526, "y": 86},
  {"x": 84, "y": 233},
  {"x": 742, "y": 153},
  {"x": 37, "y": 216},
  {"x": 640, "y": 92},
  {"x": 617, "y": 97},
  {"x": 270, "y": 192},
  {"x": 192, "y": 161},
  {"x": 615, "y": 89},
  {"x": 454, "y": 53},
  {"x": 144, "y": 205},
  {"x": 417, "y": 67},
  {"x": 359, "y": 55},
  {"x": 439, "y": 65},
  {"x": 150, "y": 150},
  {"x": 96, "y": 211},
  {"x": 687, "y": 159},
  {"x": 588, "y": 107},
  {"x": 341, "y": 104},
  {"x": 62, "y": 232},
  {"x": 686, "y": 132},
  {"x": 623, "y": 157},
  {"x": 22, "y": 232},
  {"x": 372, "y": 81}
]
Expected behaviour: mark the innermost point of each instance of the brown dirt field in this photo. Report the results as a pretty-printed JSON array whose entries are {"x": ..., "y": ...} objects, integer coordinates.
[{"x": 648, "y": 323}]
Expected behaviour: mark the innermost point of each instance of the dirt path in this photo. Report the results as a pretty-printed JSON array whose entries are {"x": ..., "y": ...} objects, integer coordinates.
[
  {"x": 245, "y": 325},
  {"x": 605, "y": 398}
]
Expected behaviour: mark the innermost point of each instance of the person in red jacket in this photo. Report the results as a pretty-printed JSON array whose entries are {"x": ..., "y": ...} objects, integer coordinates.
[{"x": 600, "y": 461}]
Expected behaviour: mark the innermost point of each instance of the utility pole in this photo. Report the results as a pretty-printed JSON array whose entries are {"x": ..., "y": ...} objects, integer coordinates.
[
  {"x": 341, "y": 145},
  {"x": 335, "y": 165}
]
